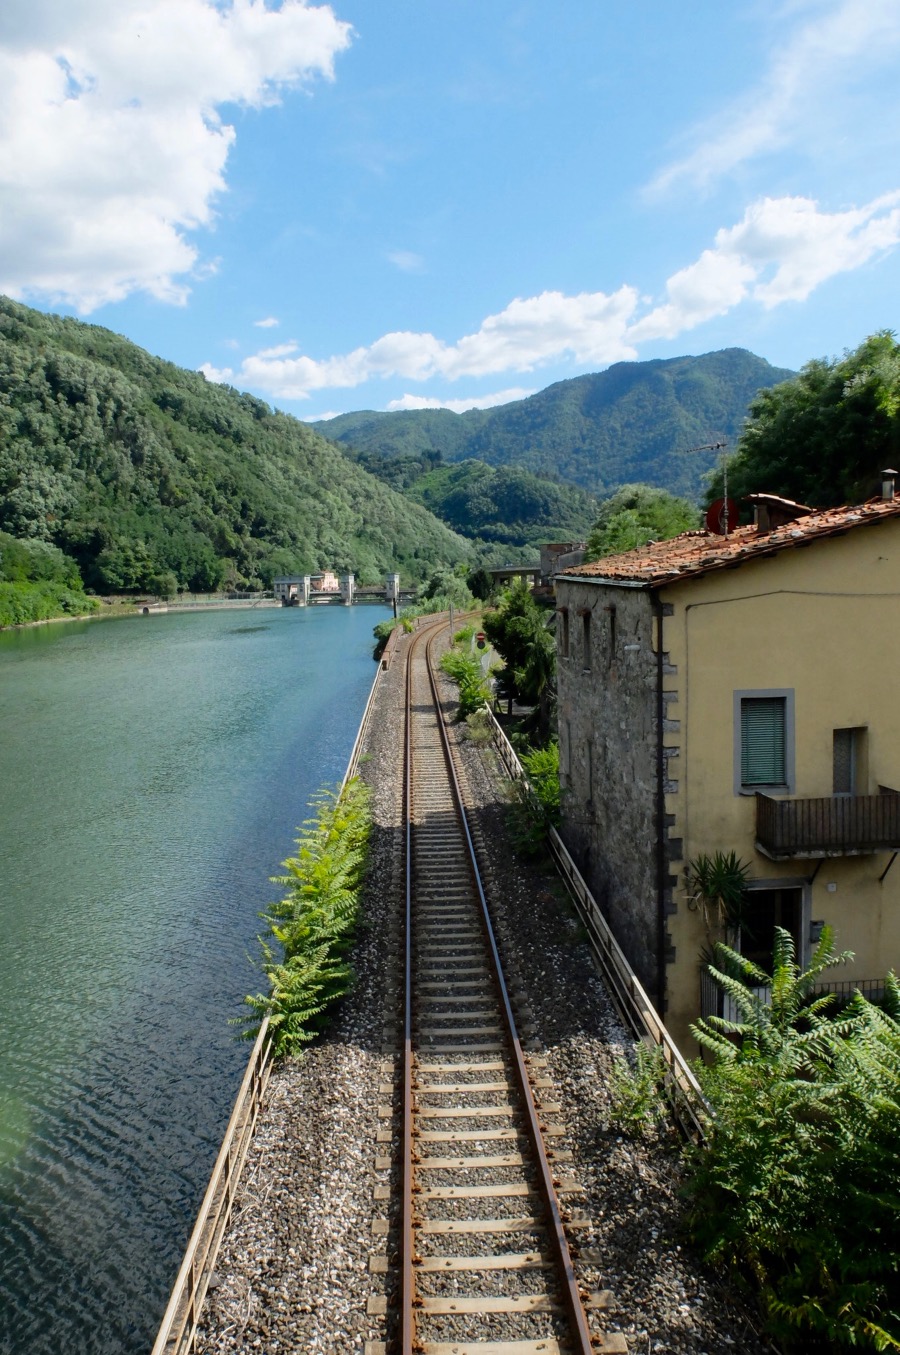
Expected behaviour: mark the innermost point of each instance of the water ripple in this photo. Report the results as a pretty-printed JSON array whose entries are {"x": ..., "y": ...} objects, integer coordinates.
[{"x": 152, "y": 773}]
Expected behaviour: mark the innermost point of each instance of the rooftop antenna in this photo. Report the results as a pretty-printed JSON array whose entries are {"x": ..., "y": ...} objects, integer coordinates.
[{"x": 723, "y": 448}]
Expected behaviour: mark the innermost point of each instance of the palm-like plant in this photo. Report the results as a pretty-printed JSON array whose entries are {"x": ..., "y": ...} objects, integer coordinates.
[{"x": 718, "y": 884}]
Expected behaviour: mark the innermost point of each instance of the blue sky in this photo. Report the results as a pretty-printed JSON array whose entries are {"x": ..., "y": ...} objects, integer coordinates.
[{"x": 384, "y": 205}]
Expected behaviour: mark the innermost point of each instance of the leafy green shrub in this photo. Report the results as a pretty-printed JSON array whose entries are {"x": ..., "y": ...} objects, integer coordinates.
[
  {"x": 797, "y": 1182},
  {"x": 446, "y": 588},
  {"x": 521, "y": 631},
  {"x": 465, "y": 670},
  {"x": 542, "y": 769},
  {"x": 28, "y": 561},
  {"x": 314, "y": 924},
  {"x": 479, "y": 729},
  {"x": 21, "y": 603},
  {"x": 638, "y": 1102},
  {"x": 637, "y": 514},
  {"x": 535, "y": 807}
]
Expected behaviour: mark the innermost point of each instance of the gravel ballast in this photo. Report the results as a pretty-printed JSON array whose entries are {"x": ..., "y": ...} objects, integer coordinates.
[{"x": 293, "y": 1270}]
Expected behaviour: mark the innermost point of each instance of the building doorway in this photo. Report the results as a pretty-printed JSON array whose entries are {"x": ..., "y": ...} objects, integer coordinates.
[
  {"x": 767, "y": 905},
  {"x": 764, "y": 910}
]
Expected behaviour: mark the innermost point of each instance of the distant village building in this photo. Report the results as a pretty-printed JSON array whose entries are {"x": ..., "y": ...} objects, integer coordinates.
[{"x": 738, "y": 693}]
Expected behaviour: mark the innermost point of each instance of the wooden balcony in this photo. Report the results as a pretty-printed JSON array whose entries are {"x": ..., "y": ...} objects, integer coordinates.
[{"x": 839, "y": 825}]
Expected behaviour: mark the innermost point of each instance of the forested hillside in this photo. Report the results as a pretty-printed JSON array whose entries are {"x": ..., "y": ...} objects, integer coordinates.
[
  {"x": 631, "y": 423},
  {"x": 492, "y": 505},
  {"x": 148, "y": 476}
]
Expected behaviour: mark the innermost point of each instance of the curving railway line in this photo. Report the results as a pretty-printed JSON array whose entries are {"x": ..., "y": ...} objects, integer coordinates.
[{"x": 483, "y": 1246}]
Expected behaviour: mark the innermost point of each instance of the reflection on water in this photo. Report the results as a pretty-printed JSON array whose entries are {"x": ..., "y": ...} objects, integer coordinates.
[{"x": 152, "y": 773}]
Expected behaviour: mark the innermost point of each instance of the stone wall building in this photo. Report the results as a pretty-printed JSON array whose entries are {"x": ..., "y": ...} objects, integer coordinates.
[{"x": 738, "y": 693}]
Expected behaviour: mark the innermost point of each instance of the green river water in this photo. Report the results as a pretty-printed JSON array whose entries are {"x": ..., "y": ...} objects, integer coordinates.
[{"x": 152, "y": 773}]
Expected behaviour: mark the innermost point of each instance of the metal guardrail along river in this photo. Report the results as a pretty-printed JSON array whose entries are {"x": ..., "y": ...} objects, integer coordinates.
[
  {"x": 179, "y": 1325},
  {"x": 631, "y": 998}
]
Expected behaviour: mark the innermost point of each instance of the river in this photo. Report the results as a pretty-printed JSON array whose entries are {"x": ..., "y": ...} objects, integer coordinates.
[{"x": 152, "y": 774}]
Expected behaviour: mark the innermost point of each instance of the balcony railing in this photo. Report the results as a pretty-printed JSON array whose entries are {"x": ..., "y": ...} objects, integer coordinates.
[
  {"x": 840, "y": 825},
  {"x": 715, "y": 1002}
]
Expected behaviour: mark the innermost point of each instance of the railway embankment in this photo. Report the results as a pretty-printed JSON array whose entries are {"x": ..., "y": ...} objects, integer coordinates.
[{"x": 294, "y": 1271}]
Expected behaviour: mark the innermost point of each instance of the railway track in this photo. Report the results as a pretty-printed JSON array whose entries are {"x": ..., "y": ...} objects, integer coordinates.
[{"x": 481, "y": 1251}]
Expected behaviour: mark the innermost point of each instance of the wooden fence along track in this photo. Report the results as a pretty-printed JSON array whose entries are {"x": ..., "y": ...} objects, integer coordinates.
[{"x": 482, "y": 1254}]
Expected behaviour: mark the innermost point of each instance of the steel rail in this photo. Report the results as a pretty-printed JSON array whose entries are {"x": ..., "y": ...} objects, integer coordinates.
[
  {"x": 559, "y": 1243},
  {"x": 407, "y": 1280},
  {"x": 571, "y": 1297}
]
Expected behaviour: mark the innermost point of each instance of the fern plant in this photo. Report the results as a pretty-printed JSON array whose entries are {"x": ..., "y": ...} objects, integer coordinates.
[
  {"x": 315, "y": 921},
  {"x": 797, "y": 1183},
  {"x": 637, "y": 1096}
]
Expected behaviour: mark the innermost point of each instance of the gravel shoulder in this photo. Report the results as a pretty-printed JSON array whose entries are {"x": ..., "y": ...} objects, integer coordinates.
[{"x": 292, "y": 1274}]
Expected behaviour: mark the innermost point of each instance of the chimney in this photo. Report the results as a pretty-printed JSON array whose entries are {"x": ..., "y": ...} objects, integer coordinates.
[{"x": 887, "y": 485}]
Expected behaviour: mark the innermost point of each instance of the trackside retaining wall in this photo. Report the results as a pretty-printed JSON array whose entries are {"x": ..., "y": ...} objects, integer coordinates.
[{"x": 687, "y": 1100}]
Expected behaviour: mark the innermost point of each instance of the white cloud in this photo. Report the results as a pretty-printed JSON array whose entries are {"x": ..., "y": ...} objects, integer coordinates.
[
  {"x": 280, "y": 350},
  {"x": 530, "y": 331},
  {"x": 112, "y": 149},
  {"x": 832, "y": 53},
  {"x": 781, "y": 251},
  {"x": 269, "y": 323},
  {"x": 460, "y": 406},
  {"x": 406, "y": 261},
  {"x": 221, "y": 375}
]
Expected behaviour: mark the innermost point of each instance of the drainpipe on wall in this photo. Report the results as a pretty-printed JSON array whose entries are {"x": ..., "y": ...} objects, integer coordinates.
[{"x": 662, "y": 865}]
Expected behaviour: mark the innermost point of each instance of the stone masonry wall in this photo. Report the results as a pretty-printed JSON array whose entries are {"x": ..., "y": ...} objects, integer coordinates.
[{"x": 608, "y": 771}]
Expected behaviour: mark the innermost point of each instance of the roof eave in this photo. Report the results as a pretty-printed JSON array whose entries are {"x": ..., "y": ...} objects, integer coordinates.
[{"x": 601, "y": 579}]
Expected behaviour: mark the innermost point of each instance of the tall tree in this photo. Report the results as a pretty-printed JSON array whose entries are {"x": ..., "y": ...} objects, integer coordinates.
[
  {"x": 824, "y": 437},
  {"x": 521, "y": 632},
  {"x": 637, "y": 514}
]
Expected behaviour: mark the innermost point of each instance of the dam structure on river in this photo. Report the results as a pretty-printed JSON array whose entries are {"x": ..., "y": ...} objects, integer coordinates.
[{"x": 330, "y": 587}]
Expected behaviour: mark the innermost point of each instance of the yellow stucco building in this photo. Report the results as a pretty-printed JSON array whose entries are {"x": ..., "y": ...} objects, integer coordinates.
[{"x": 738, "y": 693}]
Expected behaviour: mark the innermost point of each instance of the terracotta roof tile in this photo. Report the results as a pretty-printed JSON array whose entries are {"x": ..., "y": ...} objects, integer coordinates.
[{"x": 695, "y": 553}]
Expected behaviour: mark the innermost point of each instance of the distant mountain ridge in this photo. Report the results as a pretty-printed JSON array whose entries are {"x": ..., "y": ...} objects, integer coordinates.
[{"x": 632, "y": 422}]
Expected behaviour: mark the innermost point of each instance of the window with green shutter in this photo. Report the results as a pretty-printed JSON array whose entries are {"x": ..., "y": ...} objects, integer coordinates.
[
  {"x": 764, "y": 757},
  {"x": 763, "y": 741}
]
